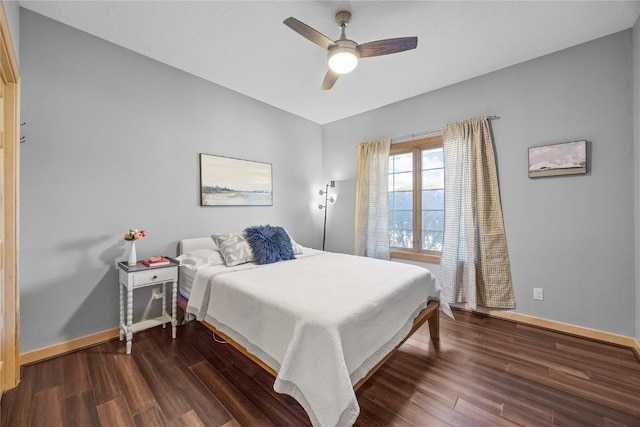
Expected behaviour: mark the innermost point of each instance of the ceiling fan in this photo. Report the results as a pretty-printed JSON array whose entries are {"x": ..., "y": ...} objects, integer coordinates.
[{"x": 343, "y": 54}]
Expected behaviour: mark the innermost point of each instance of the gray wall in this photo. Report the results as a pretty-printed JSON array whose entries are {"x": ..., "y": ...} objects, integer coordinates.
[
  {"x": 572, "y": 236},
  {"x": 636, "y": 161},
  {"x": 112, "y": 143}
]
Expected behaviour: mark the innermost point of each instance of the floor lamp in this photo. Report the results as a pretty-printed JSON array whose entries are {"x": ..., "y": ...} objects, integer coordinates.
[{"x": 327, "y": 199}]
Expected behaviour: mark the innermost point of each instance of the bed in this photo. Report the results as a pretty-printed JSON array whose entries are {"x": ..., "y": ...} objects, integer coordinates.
[{"x": 321, "y": 324}]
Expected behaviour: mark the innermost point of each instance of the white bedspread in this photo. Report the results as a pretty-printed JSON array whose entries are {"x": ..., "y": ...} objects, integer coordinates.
[{"x": 321, "y": 321}]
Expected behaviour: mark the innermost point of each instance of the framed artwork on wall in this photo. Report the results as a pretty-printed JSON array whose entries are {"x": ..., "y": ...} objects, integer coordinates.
[
  {"x": 225, "y": 181},
  {"x": 567, "y": 158}
]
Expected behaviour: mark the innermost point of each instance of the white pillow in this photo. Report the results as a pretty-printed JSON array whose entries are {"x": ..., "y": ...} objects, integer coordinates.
[
  {"x": 234, "y": 247},
  {"x": 297, "y": 249},
  {"x": 200, "y": 257}
]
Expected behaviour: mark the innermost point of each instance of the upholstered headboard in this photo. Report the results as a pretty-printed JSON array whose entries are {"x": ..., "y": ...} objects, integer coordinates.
[{"x": 188, "y": 245}]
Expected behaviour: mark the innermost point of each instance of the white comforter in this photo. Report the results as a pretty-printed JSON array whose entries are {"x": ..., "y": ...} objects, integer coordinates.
[{"x": 321, "y": 321}]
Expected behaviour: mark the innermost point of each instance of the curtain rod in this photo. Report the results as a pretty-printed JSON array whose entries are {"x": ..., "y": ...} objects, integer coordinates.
[{"x": 427, "y": 132}]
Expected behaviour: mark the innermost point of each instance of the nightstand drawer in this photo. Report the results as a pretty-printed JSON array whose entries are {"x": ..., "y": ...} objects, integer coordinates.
[
  {"x": 147, "y": 277},
  {"x": 155, "y": 275}
]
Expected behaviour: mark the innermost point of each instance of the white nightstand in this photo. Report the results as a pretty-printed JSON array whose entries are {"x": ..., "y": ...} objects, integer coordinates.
[{"x": 140, "y": 276}]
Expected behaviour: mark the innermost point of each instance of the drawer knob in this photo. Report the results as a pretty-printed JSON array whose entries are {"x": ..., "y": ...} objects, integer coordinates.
[{"x": 155, "y": 277}]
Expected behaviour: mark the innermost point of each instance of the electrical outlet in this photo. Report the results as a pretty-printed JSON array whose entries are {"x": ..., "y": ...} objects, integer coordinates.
[{"x": 538, "y": 294}]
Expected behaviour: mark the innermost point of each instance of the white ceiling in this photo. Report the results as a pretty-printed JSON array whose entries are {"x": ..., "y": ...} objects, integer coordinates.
[{"x": 244, "y": 46}]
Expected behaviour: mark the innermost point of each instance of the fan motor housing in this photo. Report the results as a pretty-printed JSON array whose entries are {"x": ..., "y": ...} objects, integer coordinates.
[{"x": 345, "y": 44}]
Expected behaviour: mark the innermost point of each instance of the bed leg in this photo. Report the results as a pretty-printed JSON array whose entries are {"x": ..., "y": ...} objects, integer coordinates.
[{"x": 434, "y": 325}]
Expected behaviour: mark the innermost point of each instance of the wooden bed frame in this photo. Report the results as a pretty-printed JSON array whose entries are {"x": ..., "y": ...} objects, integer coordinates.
[{"x": 430, "y": 314}]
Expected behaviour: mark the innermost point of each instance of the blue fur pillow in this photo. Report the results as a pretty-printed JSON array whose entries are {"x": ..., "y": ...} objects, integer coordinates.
[{"x": 269, "y": 244}]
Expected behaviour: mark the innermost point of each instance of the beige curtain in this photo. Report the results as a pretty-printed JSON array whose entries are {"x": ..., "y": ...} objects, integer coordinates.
[
  {"x": 475, "y": 261},
  {"x": 372, "y": 199}
]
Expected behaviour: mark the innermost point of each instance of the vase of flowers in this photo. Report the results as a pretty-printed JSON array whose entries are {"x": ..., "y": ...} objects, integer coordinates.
[{"x": 132, "y": 235}]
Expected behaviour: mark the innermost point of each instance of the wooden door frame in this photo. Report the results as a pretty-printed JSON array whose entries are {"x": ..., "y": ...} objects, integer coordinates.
[{"x": 9, "y": 67}]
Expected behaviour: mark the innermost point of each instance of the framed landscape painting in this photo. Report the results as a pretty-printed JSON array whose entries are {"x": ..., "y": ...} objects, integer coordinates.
[
  {"x": 225, "y": 181},
  {"x": 567, "y": 158}
]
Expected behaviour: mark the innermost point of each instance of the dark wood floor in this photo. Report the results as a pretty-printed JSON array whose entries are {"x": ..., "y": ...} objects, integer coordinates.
[{"x": 483, "y": 372}]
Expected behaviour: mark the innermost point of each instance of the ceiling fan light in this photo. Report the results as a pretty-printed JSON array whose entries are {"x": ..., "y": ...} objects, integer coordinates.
[{"x": 342, "y": 60}]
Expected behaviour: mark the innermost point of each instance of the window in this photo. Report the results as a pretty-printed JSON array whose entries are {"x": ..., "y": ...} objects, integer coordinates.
[{"x": 416, "y": 199}]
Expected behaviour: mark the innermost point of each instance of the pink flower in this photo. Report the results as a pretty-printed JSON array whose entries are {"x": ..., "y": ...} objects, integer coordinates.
[{"x": 134, "y": 234}]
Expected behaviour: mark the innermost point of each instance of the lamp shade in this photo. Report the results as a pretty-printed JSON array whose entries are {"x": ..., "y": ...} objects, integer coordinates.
[
  {"x": 342, "y": 61},
  {"x": 343, "y": 57}
]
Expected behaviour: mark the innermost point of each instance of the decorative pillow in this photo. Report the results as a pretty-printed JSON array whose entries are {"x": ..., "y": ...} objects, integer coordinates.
[
  {"x": 234, "y": 248},
  {"x": 297, "y": 249},
  {"x": 200, "y": 257},
  {"x": 269, "y": 244}
]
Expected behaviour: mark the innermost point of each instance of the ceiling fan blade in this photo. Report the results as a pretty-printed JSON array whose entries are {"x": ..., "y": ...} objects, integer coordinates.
[
  {"x": 329, "y": 79},
  {"x": 309, "y": 33},
  {"x": 385, "y": 47}
]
